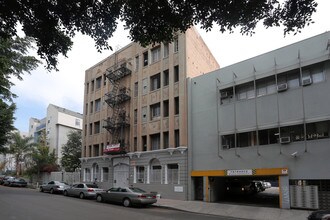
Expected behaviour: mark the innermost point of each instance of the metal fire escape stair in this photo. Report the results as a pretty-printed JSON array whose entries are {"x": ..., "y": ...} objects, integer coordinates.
[{"x": 119, "y": 120}]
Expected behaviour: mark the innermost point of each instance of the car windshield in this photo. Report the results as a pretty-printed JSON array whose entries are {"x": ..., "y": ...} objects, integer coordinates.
[
  {"x": 62, "y": 183},
  {"x": 137, "y": 190},
  {"x": 92, "y": 186}
]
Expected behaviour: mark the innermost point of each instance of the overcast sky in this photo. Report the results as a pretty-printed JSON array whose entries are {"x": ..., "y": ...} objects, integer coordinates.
[{"x": 65, "y": 87}]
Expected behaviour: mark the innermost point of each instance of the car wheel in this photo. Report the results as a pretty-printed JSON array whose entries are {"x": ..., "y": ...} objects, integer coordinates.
[
  {"x": 99, "y": 198},
  {"x": 51, "y": 191},
  {"x": 41, "y": 189},
  {"x": 81, "y": 195},
  {"x": 65, "y": 193},
  {"x": 127, "y": 202}
]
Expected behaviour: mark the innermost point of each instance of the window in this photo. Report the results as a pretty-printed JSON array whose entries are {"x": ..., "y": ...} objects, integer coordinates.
[
  {"x": 245, "y": 91},
  {"x": 145, "y": 58},
  {"x": 172, "y": 173},
  {"x": 135, "y": 116},
  {"x": 291, "y": 78},
  {"x": 155, "y": 141},
  {"x": 155, "y": 171},
  {"x": 317, "y": 73},
  {"x": 268, "y": 136},
  {"x": 96, "y": 150},
  {"x": 154, "y": 111},
  {"x": 226, "y": 95},
  {"x": 266, "y": 86},
  {"x": 295, "y": 132},
  {"x": 98, "y": 82},
  {"x": 87, "y": 175},
  {"x": 155, "y": 54},
  {"x": 177, "y": 138},
  {"x": 176, "y": 106},
  {"x": 137, "y": 63},
  {"x": 144, "y": 143},
  {"x": 97, "y": 127},
  {"x": 140, "y": 174},
  {"x": 92, "y": 85},
  {"x": 105, "y": 174},
  {"x": 228, "y": 141},
  {"x": 97, "y": 105},
  {"x": 317, "y": 130},
  {"x": 90, "y": 129},
  {"x": 166, "y": 77},
  {"x": 104, "y": 79},
  {"x": 136, "y": 89},
  {"x": 246, "y": 139},
  {"x": 86, "y": 109},
  {"x": 165, "y": 140},
  {"x": 176, "y": 44},
  {"x": 165, "y": 108},
  {"x": 155, "y": 82},
  {"x": 166, "y": 50},
  {"x": 176, "y": 73},
  {"x": 135, "y": 144},
  {"x": 144, "y": 114},
  {"x": 87, "y": 88},
  {"x": 91, "y": 107},
  {"x": 85, "y": 131}
]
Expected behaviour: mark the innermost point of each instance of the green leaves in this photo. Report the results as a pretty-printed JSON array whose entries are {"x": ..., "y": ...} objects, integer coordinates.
[
  {"x": 52, "y": 24},
  {"x": 71, "y": 151}
]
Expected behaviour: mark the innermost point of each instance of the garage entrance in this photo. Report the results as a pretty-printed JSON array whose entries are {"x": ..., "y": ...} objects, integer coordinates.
[
  {"x": 257, "y": 187},
  {"x": 257, "y": 191}
]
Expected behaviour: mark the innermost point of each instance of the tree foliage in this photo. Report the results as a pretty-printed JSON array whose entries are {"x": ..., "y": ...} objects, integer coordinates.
[
  {"x": 13, "y": 63},
  {"x": 52, "y": 23},
  {"x": 21, "y": 148},
  {"x": 71, "y": 152}
]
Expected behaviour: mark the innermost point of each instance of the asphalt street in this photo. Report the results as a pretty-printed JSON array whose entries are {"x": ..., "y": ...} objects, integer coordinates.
[{"x": 30, "y": 204}]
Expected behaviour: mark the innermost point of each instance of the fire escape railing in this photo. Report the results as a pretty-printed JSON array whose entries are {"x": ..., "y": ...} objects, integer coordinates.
[{"x": 118, "y": 122}]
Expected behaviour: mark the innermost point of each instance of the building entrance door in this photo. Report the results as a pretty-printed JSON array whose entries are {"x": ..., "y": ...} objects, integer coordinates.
[{"x": 121, "y": 175}]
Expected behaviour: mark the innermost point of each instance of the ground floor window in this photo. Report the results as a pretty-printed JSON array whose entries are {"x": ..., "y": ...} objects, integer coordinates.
[
  {"x": 87, "y": 175},
  {"x": 172, "y": 173},
  {"x": 105, "y": 174},
  {"x": 140, "y": 174}
]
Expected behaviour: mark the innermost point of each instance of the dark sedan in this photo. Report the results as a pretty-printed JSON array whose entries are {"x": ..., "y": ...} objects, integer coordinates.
[
  {"x": 319, "y": 215},
  {"x": 127, "y": 196},
  {"x": 17, "y": 182}
]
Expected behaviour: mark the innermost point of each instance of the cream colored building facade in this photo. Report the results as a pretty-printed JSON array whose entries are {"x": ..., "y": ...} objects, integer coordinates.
[{"x": 137, "y": 99}]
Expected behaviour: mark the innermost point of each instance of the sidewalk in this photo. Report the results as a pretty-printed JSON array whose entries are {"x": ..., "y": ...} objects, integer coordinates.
[{"x": 237, "y": 211}]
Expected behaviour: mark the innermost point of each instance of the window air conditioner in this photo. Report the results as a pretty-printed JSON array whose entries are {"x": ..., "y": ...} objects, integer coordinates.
[
  {"x": 224, "y": 95},
  {"x": 307, "y": 81},
  {"x": 225, "y": 147},
  {"x": 282, "y": 87},
  {"x": 285, "y": 140}
]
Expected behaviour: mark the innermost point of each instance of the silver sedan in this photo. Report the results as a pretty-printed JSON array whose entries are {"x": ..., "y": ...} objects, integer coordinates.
[
  {"x": 127, "y": 196},
  {"x": 82, "y": 190},
  {"x": 54, "y": 187}
]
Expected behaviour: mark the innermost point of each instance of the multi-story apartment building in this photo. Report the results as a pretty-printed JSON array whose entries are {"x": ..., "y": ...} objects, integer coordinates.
[
  {"x": 265, "y": 118},
  {"x": 135, "y": 115},
  {"x": 56, "y": 126}
]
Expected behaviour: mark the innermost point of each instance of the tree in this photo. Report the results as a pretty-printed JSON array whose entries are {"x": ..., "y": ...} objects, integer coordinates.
[
  {"x": 53, "y": 23},
  {"x": 71, "y": 152},
  {"x": 21, "y": 148},
  {"x": 13, "y": 63}
]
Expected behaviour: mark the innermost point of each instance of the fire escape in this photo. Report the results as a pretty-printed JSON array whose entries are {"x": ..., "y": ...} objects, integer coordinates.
[{"x": 118, "y": 122}]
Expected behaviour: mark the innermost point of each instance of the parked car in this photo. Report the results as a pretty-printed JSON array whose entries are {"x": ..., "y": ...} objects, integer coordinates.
[
  {"x": 82, "y": 190},
  {"x": 2, "y": 181},
  {"x": 8, "y": 180},
  {"x": 54, "y": 187},
  {"x": 127, "y": 196},
  {"x": 266, "y": 184},
  {"x": 20, "y": 182},
  {"x": 319, "y": 215},
  {"x": 242, "y": 187}
]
